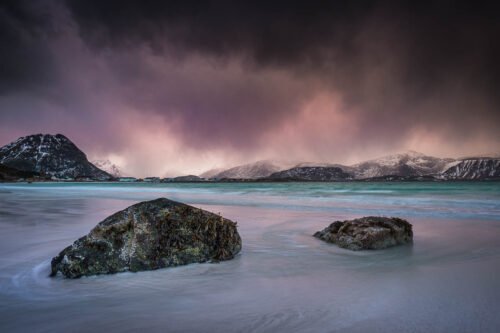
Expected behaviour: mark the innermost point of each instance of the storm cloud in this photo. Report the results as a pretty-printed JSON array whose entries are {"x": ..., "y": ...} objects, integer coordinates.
[{"x": 177, "y": 87}]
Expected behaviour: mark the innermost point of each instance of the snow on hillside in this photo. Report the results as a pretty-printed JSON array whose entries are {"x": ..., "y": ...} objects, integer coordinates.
[
  {"x": 410, "y": 163},
  {"x": 109, "y": 167},
  {"x": 479, "y": 168}
]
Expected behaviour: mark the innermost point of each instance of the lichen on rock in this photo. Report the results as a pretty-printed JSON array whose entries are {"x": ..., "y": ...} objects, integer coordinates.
[
  {"x": 368, "y": 233},
  {"x": 150, "y": 235}
]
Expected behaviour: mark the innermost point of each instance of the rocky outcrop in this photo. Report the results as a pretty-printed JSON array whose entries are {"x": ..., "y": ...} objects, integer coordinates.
[
  {"x": 12, "y": 174},
  {"x": 188, "y": 178},
  {"x": 52, "y": 155},
  {"x": 367, "y": 233},
  {"x": 150, "y": 235}
]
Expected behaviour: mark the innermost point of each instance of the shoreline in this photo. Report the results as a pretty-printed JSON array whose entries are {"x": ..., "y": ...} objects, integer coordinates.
[
  {"x": 455, "y": 253},
  {"x": 225, "y": 181}
]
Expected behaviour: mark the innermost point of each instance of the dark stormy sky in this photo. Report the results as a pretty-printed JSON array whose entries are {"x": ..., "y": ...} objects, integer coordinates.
[{"x": 176, "y": 87}]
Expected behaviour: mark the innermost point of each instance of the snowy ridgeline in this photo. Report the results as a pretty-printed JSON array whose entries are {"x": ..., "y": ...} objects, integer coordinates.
[
  {"x": 410, "y": 165},
  {"x": 56, "y": 157}
]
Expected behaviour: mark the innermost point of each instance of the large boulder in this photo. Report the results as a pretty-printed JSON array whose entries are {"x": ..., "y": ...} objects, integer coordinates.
[
  {"x": 150, "y": 235},
  {"x": 367, "y": 233}
]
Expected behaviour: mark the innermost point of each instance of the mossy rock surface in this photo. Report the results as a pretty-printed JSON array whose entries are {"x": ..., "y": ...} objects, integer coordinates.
[
  {"x": 368, "y": 233},
  {"x": 150, "y": 235}
]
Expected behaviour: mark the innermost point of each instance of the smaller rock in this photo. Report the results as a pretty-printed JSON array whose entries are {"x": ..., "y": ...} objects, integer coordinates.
[{"x": 368, "y": 233}]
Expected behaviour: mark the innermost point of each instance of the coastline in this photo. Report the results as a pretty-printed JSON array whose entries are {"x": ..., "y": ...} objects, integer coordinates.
[
  {"x": 284, "y": 279},
  {"x": 369, "y": 180}
]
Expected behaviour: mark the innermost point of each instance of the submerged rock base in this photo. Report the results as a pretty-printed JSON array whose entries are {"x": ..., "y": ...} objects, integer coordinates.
[
  {"x": 150, "y": 235},
  {"x": 368, "y": 233}
]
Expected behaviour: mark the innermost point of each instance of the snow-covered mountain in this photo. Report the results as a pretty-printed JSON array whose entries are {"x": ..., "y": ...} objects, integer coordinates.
[
  {"x": 311, "y": 173},
  {"x": 410, "y": 165},
  {"x": 474, "y": 168},
  {"x": 406, "y": 164},
  {"x": 52, "y": 155},
  {"x": 109, "y": 167},
  {"x": 249, "y": 171}
]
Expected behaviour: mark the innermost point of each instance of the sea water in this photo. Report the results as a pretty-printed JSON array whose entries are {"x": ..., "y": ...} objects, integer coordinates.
[{"x": 284, "y": 280}]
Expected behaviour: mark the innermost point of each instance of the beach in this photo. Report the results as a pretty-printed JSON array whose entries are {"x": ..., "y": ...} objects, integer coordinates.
[{"x": 284, "y": 280}]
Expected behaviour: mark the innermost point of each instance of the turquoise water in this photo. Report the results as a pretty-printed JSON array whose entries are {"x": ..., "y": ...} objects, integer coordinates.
[
  {"x": 284, "y": 280},
  {"x": 438, "y": 200}
]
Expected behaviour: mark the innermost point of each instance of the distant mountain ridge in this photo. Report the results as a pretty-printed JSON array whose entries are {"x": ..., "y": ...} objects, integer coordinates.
[
  {"x": 410, "y": 165},
  {"x": 45, "y": 156},
  {"x": 51, "y": 155},
  {"x": 406, "y": 164}
]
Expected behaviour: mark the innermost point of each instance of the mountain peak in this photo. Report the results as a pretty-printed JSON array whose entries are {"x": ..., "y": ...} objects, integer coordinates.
[{"x": 52, "y": 155}]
